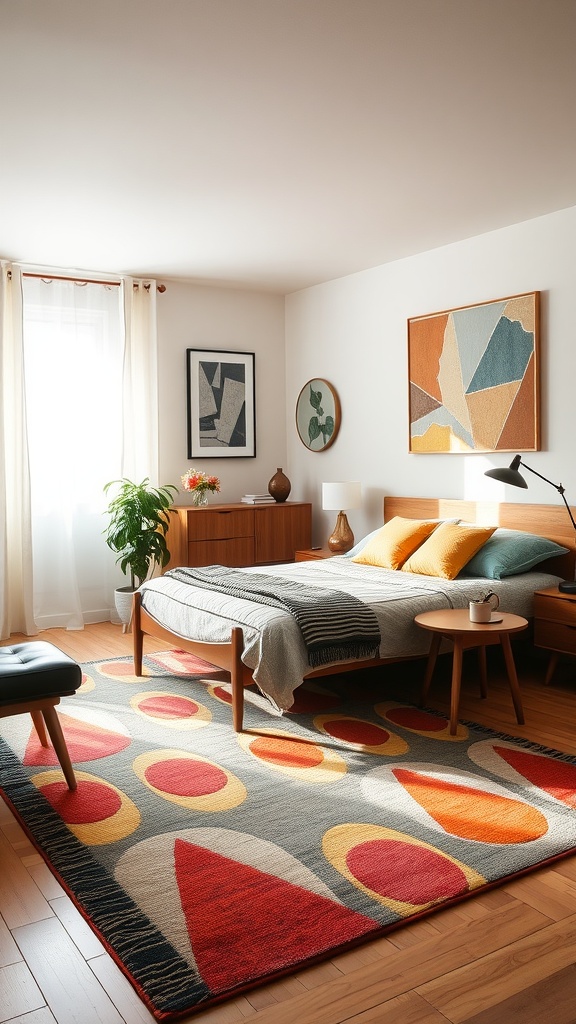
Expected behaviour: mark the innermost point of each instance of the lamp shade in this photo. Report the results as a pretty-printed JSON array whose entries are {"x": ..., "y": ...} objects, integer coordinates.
[
  {"x": 339, "y": 496},
  {"x": 509, "y": 474}
]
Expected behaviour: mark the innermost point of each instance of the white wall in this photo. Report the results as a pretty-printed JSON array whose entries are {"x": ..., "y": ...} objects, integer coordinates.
[
  {"x": 353, "y": 332},
  {"x": 190, "y": 316}
]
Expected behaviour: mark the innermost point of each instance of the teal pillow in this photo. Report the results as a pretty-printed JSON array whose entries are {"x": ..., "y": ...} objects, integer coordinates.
[{"x": 509, "y": 553}]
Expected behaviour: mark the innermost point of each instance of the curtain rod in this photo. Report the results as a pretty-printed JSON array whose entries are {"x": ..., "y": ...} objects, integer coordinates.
[{"x": 84, "y": 280}]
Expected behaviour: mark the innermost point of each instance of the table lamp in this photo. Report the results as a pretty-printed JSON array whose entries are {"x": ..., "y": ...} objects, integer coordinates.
[
  {"x": 510, "y": 475},
  {"x": 336, "y": 497}
]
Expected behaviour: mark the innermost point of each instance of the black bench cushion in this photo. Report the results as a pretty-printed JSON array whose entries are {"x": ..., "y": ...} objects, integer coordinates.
[{"x": 36, "y": 669}]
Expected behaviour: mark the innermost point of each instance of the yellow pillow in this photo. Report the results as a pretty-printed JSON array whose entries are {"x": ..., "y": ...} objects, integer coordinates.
[
  {"x": 446, "y": 552},
  {"x": 392, "y": 545}
]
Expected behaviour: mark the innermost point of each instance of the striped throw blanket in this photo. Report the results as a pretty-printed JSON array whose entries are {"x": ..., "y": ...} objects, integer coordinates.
[{"x": 335, "y": 626}]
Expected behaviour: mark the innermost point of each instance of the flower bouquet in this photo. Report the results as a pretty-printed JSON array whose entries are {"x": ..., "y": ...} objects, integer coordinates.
[{"x": 199, "y": 484}]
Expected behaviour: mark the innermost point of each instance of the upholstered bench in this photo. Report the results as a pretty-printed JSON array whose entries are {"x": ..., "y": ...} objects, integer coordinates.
[{"x": 33, "y": 678}]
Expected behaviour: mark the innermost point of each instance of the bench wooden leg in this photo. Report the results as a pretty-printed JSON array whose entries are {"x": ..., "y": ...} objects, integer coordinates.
[
  {"x": 59, "y": 744},
  {"x": 36, "y": 717}
]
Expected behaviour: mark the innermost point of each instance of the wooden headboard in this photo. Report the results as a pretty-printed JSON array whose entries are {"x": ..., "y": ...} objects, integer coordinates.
[{"x": 550, "y": 521}]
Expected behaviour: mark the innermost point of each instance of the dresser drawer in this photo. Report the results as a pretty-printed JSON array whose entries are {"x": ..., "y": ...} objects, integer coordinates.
[
  {"x": 557, "y": 636},
  {"x": 213, "y": 524},
  {"x": 237, "y": 551},
  {"x": 555, "y": 609}
]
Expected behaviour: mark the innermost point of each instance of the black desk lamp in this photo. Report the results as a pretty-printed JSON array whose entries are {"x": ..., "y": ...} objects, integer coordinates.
[{"x": 510, "y": 475}]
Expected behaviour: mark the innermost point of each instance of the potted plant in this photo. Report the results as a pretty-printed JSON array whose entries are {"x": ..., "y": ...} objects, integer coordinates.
[{"x": 137, "y": 532}]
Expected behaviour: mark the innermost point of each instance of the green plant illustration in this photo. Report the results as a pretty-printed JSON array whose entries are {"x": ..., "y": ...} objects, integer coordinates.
[{"x": 315, "y": 427}]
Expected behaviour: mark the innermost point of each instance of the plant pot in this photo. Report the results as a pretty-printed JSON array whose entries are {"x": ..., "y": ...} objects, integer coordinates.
[{"x": 123, "y": 602}]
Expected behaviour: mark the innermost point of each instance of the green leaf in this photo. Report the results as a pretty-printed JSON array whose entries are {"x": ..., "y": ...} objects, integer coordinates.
[
  {"x": 315, "y": 399},
  {"x": 314, "y": 429},
  {"x": 139, "y": 521}
]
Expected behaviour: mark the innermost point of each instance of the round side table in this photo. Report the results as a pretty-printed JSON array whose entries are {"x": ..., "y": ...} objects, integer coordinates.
[{"x": 455, "y": 625}]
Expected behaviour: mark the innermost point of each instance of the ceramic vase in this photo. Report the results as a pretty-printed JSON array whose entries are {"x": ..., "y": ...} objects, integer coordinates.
[{"x": 279, "y": 486}]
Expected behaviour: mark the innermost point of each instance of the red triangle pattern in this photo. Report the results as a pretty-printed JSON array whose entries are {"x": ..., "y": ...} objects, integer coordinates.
[
  {"x": 269, "y": 923},
  {"x": 558, "y": 778}
]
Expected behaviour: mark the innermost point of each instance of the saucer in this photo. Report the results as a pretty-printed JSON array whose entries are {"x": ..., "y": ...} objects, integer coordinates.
[{"x": 496, "y": 618}]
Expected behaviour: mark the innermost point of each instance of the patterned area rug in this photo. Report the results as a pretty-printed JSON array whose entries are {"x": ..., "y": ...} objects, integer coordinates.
[{"x": 211, "y": 862}]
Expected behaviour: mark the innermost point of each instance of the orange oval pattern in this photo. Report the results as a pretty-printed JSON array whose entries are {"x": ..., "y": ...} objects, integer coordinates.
[{"x": 299, "y": 757}]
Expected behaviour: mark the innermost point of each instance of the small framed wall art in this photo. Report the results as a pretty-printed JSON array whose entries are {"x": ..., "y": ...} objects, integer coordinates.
[
  {"x": 221, "y": 403},
  {"x": 317, "y": 415},
  {"x": 474, "y": 378}
]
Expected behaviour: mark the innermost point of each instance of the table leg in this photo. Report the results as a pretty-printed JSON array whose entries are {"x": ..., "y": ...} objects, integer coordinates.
[
  {"x": 456, "y": 680},
  {"x": 554, "y": 658},
  {"x": 433, "y": 654},
  {"x": 483, "y": 672},
  {"x": 512, "y": 677}
]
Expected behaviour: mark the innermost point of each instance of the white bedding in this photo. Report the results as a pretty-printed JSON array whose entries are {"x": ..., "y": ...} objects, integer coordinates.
[{"x": 273, "y": 645}]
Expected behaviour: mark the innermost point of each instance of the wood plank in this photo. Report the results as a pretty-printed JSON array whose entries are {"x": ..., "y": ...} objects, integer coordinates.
[
  {"x": 41, "y": 1016},
  {"x": 9, "y": 952},
  {"x": 20, "y": 898},
  {"x": 408, "y": 1008},
  {"x": 70, "y": 988},
  {"x": 121, "y": 992},
  {"x": 408, "y": 969},
  {"x": 549, "y": 893},
  {"x": 553, "y": 999},
  {"x": 507, "y": 971},
  {"x": 19, "y": 993},
  {"x": 77, "y": 927}
]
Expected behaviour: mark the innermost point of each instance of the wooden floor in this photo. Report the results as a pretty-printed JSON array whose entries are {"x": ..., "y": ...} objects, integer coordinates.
[{"x": 505, "y": 956}]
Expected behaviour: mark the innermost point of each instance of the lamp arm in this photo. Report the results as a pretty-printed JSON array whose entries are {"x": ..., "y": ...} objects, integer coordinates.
[{"x": 558, "y": 487}]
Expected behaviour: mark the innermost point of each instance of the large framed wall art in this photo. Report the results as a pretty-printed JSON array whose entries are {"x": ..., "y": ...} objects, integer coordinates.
[
  {"x": 474, "y": 377},
  {"x": 221, "y": 403}
]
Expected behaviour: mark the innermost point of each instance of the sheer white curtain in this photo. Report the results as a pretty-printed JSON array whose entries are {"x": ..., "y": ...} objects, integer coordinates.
[
  {"x": 16, "y": 614},
  {"x": 73, "y": 344},
  {"x": 140, "y": 382}
]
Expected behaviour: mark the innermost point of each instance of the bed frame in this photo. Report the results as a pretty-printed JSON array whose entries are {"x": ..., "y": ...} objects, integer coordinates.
[{"x": 545, "y": 520}]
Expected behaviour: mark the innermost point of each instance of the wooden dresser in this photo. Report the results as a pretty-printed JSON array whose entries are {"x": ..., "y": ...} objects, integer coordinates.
[{"x": 238, "y": 534}]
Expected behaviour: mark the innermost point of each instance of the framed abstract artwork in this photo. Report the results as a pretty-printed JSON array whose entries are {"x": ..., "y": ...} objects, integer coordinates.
[
  {"x": 317, "y": 415},
  {"x": 473, "y": 377},
  {"x": 221, "y": 404}
]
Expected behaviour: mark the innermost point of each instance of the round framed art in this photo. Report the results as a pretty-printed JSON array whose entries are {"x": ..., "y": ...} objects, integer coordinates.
[{"x": 317, "y": 415}]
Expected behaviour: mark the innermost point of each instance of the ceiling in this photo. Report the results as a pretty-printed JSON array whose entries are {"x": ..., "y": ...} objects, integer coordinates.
[{"x": 276, "y": 144}]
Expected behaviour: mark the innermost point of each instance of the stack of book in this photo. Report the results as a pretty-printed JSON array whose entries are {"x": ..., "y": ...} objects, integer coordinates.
[{"x": 258, "y": 499}]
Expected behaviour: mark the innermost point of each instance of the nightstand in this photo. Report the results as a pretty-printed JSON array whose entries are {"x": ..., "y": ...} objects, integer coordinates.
[
  {"x": 554, "y": 625},
  {"x": 309, "y": 554},
  {"x": 455, "y": 624}
]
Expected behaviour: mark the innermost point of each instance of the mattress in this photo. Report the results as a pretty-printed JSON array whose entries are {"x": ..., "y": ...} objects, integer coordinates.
[{"x": 273, "y": 646}]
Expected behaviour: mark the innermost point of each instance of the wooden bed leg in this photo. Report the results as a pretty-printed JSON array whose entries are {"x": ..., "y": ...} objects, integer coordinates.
[
  {"x": 236, "y": 677},
  {"x": 137, "y": 634}
]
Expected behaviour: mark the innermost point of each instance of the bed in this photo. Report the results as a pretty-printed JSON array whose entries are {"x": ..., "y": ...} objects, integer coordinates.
[{"x": 262, "y": 645}]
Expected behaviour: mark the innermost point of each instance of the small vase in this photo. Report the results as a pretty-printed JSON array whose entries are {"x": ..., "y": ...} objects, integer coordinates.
[
  {"x": 279, "y": 486},
  {"x": 199, "y": 498}
]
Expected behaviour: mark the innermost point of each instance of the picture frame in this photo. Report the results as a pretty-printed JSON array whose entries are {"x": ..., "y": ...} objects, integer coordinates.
[
  {"x": 474, "y": 378},
  {"x": 318, "y": 415},
  {"x": 221, "y": 406}
]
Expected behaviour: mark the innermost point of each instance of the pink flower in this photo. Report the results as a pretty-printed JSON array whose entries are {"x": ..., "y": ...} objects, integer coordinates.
[{"x": 195, "y": 480}]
